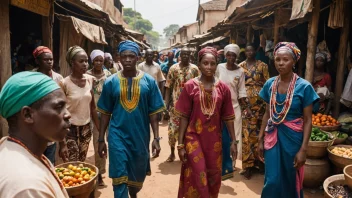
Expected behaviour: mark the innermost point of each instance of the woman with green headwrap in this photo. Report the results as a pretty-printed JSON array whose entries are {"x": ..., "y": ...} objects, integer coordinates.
[{"x": 80, "y": 102}]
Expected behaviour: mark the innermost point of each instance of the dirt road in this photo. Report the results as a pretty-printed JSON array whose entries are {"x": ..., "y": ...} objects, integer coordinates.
[{"x": 163, "y": 183}]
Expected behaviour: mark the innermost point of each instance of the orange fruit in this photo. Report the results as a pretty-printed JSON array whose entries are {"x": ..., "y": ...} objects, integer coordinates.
[
  {"x": 323, "y": 119},
  {"x": 319, "y": 114},
  {"x": 317, "y": 120},
  {"x": 318, "y": 124},
  {"x": 70, "y": 183},
  {"x": 314, "y": 123}
]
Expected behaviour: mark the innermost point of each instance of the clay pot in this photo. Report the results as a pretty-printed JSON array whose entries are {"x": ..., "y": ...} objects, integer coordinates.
[{"x": 315, "y": 172}]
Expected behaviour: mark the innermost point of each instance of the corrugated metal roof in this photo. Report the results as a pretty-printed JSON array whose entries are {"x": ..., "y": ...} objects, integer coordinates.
[{"x": 220, "y": 5}]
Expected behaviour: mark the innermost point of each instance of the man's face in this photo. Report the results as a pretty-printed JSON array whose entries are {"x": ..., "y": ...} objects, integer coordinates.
[
  {"x": 45, "y": 61},
  {"x": 51, "y": 120},
  {"x": 185, "y": 56},
  {"x": 129, "y": 60},
  {"x": 149, "y": 56}
]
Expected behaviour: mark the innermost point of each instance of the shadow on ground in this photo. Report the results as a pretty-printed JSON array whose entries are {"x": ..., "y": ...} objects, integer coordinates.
[{"x": 170, "y": 168}]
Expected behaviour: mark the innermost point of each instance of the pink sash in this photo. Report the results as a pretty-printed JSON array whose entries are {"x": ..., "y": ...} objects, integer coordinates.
[{"x": 270, "y": 140}]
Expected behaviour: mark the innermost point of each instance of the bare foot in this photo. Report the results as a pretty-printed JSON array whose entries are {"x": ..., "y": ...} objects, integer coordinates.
[
  {"x": 171, "y": 158},
  {"x": 248, "y": 174},
  {"x": 100, "y": 180}
]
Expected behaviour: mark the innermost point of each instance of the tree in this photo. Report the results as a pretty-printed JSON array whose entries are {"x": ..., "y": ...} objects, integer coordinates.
[
  {"x": 141, "y": 25},
  {"x": 130, "y": 13},
  {"x": 171, "y": 30}
]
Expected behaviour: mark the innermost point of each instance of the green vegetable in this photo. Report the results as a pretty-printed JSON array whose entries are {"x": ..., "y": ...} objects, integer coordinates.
[{"x": 318, "y": 135}]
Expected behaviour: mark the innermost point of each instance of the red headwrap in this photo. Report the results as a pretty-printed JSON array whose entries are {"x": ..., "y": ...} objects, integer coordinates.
[
  {"x": 40, "y": 50},
  {"x": 207, "y": 50}
]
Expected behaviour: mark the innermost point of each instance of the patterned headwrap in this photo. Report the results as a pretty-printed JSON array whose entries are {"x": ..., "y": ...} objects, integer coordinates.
[
  {"x": 221, "y": 52},
  {"x": 40, "y": 50},
  {"x": 96, "y": 53},
  {"x": 232, "y": 48},
  {"x": 321, "y": 55},
  {"x": 72, "y": 51},
  {"x": 207, "y": 50},
  {"x": 23, "y": 89},
  {"x": 128, "y": 45},
  {"x": 289, "y": 47},
  {"x": 107, "y": 55}
]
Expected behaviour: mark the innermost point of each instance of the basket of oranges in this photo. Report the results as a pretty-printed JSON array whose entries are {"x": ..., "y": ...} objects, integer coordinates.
[
  {"x": 78, "y": 178},
  {"x": 325, "y": 122}
]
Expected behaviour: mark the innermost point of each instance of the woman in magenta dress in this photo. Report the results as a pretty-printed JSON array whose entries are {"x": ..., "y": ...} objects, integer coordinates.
[{"x": 203, "y": 104}]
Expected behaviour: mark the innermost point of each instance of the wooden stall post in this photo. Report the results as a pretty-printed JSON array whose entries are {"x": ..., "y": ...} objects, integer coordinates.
[
  {"x": 342, "y": 55},
  {"x": 276, "y": 28},
  {"x": 47, "y": 29},
  {"x": 5, "y": 51},
  {"x": 249, "y": 35},
  {"x": 312, "y": 40}
]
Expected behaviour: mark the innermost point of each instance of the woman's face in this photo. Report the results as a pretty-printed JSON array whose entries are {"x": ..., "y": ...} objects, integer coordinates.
[
  {"x": 231, "y": 58},
  {"x": 250, "y": 52},
  {"x": 319, "y": 63},
  {"x": 284, "y": 62},
  {"x": 208, "y": 65},
  {"x": 98, "y": 63},
  {"x": 80, "y": 63}
]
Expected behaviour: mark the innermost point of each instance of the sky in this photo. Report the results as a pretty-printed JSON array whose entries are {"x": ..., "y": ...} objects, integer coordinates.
[{"x": 162, "y": 13}]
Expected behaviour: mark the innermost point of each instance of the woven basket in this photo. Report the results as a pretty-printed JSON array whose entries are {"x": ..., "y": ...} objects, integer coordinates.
[
  {"x": 335, "y": 180},
  {"x": 329, "y": 128},
  {"x": 347, "y": 171},
  {"x": 317, "y": 149},
  {"x": 339, "y": 161},
  {"x": 85, "y": 189}
]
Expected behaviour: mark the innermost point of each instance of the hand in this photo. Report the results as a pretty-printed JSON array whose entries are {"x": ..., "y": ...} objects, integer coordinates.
[
  {"x": 63, "y": 152},
  {"x": 300, "y": 159},
  {"x": 102, "y": 150},
  {"x": 182, "y": 155},
  {"x": 156, "y": 149},
  {"x": 322, "y": 97},
  {"x": 260, "y": 150},
  {"x": 249, "y": 112},
  {"x": 233, "y": 149}
]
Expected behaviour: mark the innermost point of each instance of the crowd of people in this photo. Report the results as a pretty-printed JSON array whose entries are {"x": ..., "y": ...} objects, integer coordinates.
[{"x": 218, "y": 111}]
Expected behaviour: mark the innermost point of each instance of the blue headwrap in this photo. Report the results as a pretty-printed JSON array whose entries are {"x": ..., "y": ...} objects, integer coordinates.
[
  {"x": 128, "y": 45},
  {"x": 23, "y": 89}
]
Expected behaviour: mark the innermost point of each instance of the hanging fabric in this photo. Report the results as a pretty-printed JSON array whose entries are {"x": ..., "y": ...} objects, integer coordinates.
[{"x": 336, "y": 17}]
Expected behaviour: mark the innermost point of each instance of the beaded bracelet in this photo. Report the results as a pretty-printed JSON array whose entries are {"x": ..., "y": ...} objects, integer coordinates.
[{"x": 180, "y": 146}]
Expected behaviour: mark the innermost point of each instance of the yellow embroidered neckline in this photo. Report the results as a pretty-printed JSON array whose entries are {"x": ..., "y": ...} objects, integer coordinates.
[{"x": 127, "y": 104}]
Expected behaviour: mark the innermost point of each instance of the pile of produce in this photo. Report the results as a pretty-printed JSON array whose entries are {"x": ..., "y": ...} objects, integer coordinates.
[
  {"x": 339, "y": 191},
  {"x": 324, "y": 120},
  {"x": 338, "y": 134},
  {"x": 343, "y": 152},
  {"x": 74, "y": 175},
  {"x": 318, "y": 135}
]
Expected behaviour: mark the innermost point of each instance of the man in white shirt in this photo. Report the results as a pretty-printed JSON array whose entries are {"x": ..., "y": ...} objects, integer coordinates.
[{"x": 152, "y": 68}]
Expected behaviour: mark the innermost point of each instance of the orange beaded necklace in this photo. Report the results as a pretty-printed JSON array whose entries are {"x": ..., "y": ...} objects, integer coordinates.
[{"x": 42, "y": 159}]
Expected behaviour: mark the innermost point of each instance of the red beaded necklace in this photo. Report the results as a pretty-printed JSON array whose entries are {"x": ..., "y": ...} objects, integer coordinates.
[
  {"x": 275, "y": 116},
  {"x": 42, "y": 159}
]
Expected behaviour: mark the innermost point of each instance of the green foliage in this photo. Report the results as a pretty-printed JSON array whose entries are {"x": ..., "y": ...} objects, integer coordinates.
[
  {"x": 130, "y": 13},
  {"x": 171, "y": 30},
  {"x": 141, "y": 25}
]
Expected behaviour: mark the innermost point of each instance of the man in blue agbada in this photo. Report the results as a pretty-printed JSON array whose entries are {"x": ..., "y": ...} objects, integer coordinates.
[{"x": 132, "y": 100}]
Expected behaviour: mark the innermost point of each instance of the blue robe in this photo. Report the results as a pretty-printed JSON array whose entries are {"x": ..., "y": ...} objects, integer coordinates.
[
  {"x": 280, "y": 175},
  {"x": 129, "y": 129}
]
